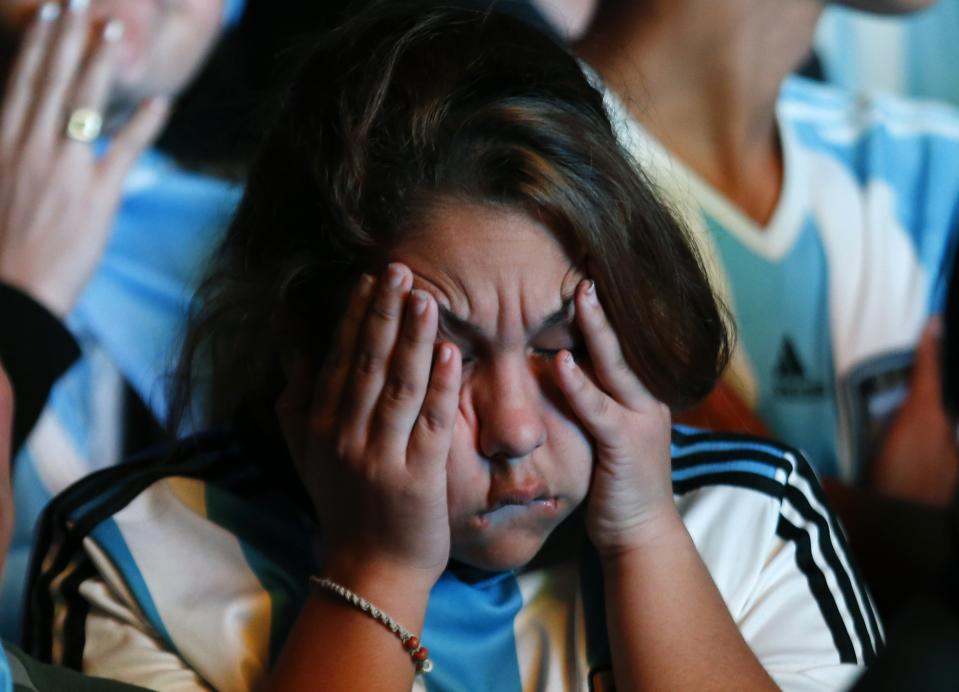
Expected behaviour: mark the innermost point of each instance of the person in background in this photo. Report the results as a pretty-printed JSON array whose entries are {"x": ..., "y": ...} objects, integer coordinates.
[
  {"x": 825, "y": 219},
  {"x": 18, "y": 671},
  {"x": 94, "y": 231},
  {"x": 912, "y": 55}
]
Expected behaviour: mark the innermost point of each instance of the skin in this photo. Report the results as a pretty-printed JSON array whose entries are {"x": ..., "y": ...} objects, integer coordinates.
[
  {"x": 481, "y": 458},
  {"x": 57, "y": 199},
  {"x": 714, "y": 109},
  {"x": 163, "y": 43}
]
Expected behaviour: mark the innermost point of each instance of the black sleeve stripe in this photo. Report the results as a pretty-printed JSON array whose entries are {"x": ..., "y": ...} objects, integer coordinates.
[
  {"x": 806, "y": 472},
  {"x": 819, "y": 589},
  {"x": 77, "y": 608},
  {"x": 73, "y": 514},
  {"x": 740, "y": 479},
  {"x": 849, "y": 595},
  {"x": 852, "y": 591},
  {"x": 854, "y": 595}
]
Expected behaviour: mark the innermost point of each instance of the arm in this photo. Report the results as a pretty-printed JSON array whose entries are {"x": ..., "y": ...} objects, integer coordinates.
[
  {"x": 35, "y": 354},
  {"x": 669, "y": 627},
  {"x": 57, "y": 198},
  {"x": 668, "y": 624},
  {"x": 373, "y": 458}
]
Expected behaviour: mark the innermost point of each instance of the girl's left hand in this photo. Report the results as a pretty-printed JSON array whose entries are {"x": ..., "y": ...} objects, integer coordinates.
[{"x": 631, "y": 496}]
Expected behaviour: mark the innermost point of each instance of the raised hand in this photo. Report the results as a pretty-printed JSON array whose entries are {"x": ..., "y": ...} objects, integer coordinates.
[
  {"x": 371, "y": 435},
  {"x": 57, "y": 197},
  {"x": 919, "y": 458},
  {"x": 631, "y": 491}
]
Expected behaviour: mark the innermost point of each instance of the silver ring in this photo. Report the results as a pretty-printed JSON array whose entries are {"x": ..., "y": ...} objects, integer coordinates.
[{"x": 84, "y": 125}]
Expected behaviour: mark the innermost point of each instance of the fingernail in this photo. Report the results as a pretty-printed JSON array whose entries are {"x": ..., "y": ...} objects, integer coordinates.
[
  {"x": 591, "y": 293},
  {"x": 78, "y": 5},
  {"x": 568, "y": 361},
  {"x": 49, "y": 11},
  {"x": 113, "y": 31},
  {"x": 419, "y": 302},
  {"x": 394, "y": 276},
  {"x": 445, "y": 354}
]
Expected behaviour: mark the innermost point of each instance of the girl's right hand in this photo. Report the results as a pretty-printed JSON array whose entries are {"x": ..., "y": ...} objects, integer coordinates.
[{"x": 371, "y": 434}]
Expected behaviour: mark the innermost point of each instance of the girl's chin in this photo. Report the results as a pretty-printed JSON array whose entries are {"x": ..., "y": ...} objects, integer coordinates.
[{"x": 506, "y": 551}]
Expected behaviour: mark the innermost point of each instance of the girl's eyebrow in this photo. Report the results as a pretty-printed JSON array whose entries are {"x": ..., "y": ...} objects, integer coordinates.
[{"x": 455, "y": 326}]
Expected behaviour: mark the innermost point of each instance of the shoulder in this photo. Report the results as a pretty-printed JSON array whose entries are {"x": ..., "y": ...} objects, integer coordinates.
[
  {"x": 159, "y": 549},
  {"x": 845, "y": 117},
  {"x": 760, "y": 491},
  {"x": 710, "y": 459},
  {"x": 764, "y": 528}
]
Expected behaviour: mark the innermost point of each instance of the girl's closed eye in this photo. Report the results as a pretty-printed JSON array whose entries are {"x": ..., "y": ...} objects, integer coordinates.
[{"x": 549, "y": 351}]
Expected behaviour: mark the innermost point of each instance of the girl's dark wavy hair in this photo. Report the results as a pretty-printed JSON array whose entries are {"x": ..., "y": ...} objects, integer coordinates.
[{"x": 410, "y": 105}]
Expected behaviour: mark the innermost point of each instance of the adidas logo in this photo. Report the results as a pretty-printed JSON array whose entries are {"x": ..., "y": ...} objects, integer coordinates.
[{"x": 789, "y": 375}]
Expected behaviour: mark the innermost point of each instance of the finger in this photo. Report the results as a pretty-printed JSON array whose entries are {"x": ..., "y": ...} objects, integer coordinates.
[
  {"x": 95, "y": 78},
  {"x": 293, "y": 405},
  {"x": 926, "y": 375},
  {"x": 375, "y": 346},
  {"x": 61, "y": 68},
  {"x": 23, "y": 82},
  {"x": 597, "y": 411},
  {"x": 132, "y": 140},
  {"x": 433, "y": 433},
  {"x": 408, "y": 374},
  {"x": 336, "y": 370},
  {"x": 606, "y": 355}
]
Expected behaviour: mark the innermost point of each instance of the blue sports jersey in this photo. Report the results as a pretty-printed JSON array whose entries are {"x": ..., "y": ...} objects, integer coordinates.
[
  {"x": 128, "y": 322},
  {"x": 912, "y": 55},
  {"x": 831, "y": 295},
  {"x": 187, "y": 572}
]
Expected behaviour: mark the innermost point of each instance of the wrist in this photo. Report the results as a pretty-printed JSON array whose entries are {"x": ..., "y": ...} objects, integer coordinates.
[
  {"x": 656, "y": 531},
  {"x": 383, "y": 581}
]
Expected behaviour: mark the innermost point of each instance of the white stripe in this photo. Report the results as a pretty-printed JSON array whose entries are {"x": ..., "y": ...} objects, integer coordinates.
[
  {"x": 224, "y": 603},
  {"x": 862, "y": 603},
  {"x": 550, "y": 630}
]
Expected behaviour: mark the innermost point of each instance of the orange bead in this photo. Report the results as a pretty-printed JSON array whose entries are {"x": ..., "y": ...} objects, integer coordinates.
[
  {"x": 420, "y": 655},
  {"x": 411, "y": 644}
]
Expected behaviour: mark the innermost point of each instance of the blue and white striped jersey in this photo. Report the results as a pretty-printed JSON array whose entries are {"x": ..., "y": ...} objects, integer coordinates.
[
  {"x": 127, "y": 321},
  {"x": 187, "y": 573},
  {"x": 912, "y": 55},
  {"x": 830, "y": 297}
]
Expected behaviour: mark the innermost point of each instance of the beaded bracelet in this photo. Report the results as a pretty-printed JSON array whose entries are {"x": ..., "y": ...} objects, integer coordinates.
[{"x": 418, "y": 654}]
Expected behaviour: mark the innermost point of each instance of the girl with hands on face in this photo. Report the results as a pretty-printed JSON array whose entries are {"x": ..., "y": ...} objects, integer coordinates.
[
  {"x": 449, "y": 297},
  {"x": 57, "y": 195}
]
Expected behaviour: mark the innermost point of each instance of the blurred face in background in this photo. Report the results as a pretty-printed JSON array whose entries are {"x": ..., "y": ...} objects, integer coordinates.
[{"x": 164, "y": 41}]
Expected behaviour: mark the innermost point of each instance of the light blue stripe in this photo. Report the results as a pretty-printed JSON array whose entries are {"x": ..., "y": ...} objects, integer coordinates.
[
  {"x": 755, "y": 467},
  {"x": 108, "y": 535},
  {"x": 6, "y": 684},
  {"x": 469, "y": 632},
  {"x": 687, "y": 449}
]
